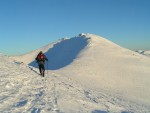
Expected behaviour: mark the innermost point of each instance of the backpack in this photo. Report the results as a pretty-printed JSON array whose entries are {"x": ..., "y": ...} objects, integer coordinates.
[{"x": 41, "y": 57}]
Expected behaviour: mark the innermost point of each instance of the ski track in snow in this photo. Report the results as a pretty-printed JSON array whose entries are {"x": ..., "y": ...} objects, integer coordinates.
[{"x": 24, "y": 91}]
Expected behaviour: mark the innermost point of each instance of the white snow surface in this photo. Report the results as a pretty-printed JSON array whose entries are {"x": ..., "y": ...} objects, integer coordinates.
[{"x": 86, "y": 74}]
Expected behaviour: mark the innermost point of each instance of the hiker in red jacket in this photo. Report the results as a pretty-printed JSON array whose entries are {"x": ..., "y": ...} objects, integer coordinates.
[{"x": 41, "y": 62}]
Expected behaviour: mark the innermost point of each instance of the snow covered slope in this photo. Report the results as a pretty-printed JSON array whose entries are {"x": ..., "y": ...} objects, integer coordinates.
[
  {"x": 106, "y": 66},
  {"x": 101, "y": 67},
  {"x": 24, "y": 91}
]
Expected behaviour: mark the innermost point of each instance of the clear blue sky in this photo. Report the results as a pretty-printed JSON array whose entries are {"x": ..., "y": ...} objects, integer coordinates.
[{"x": 26, "y": 25}]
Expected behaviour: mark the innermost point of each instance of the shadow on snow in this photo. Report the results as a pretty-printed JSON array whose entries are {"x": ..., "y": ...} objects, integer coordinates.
[
  {"x": 63, "y": 53},
  {"x": 99, "y": 111}
]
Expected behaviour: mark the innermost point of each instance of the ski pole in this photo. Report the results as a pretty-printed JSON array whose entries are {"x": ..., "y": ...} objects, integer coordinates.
[
  {"x": 47, "y": 67},
  {"x": 33, "y": 65}
]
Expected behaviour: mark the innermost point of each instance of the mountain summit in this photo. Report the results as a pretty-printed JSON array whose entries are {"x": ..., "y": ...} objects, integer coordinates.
[
  {"x": 87, "y": 47},
  {"x": 85, "y": 74},
  {"x": 98, "y": 63}
]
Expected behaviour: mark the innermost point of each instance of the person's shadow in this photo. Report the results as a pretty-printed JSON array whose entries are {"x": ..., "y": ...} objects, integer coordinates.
[
  {"x": 63, "y": 53},
  {"x": 99, "y": 111}
]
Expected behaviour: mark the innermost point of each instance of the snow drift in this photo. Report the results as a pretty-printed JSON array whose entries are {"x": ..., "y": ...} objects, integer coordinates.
[
  {"x": 60, "y": 53},
  {"x": 100, "y": 65}
]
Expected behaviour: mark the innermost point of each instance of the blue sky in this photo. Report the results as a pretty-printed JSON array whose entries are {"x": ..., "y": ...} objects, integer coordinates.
[{"x": 26, "y": 25}]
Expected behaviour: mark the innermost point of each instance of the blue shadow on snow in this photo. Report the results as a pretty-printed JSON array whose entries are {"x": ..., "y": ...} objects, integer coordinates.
[
  {"x": 99, "y": 111},
  {"x": 64, "y": 52}
]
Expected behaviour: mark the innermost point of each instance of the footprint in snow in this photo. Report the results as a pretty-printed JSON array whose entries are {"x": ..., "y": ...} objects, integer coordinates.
[{"x": 21, "y": 103}]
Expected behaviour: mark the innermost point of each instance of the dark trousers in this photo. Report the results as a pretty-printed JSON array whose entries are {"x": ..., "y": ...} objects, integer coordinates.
[{"x": 41, "y": 68}]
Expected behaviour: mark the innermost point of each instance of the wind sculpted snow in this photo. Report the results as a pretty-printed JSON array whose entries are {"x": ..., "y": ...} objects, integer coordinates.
[{"x": 64, "y": 52}]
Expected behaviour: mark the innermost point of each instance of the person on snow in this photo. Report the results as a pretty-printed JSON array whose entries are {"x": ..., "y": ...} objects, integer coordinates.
[{"x": 41, "y": 62}]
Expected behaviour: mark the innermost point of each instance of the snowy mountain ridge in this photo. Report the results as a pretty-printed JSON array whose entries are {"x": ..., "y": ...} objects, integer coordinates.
[
  {"x": 86, "y": 74},
  {"x": 84, "y": 40}
]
